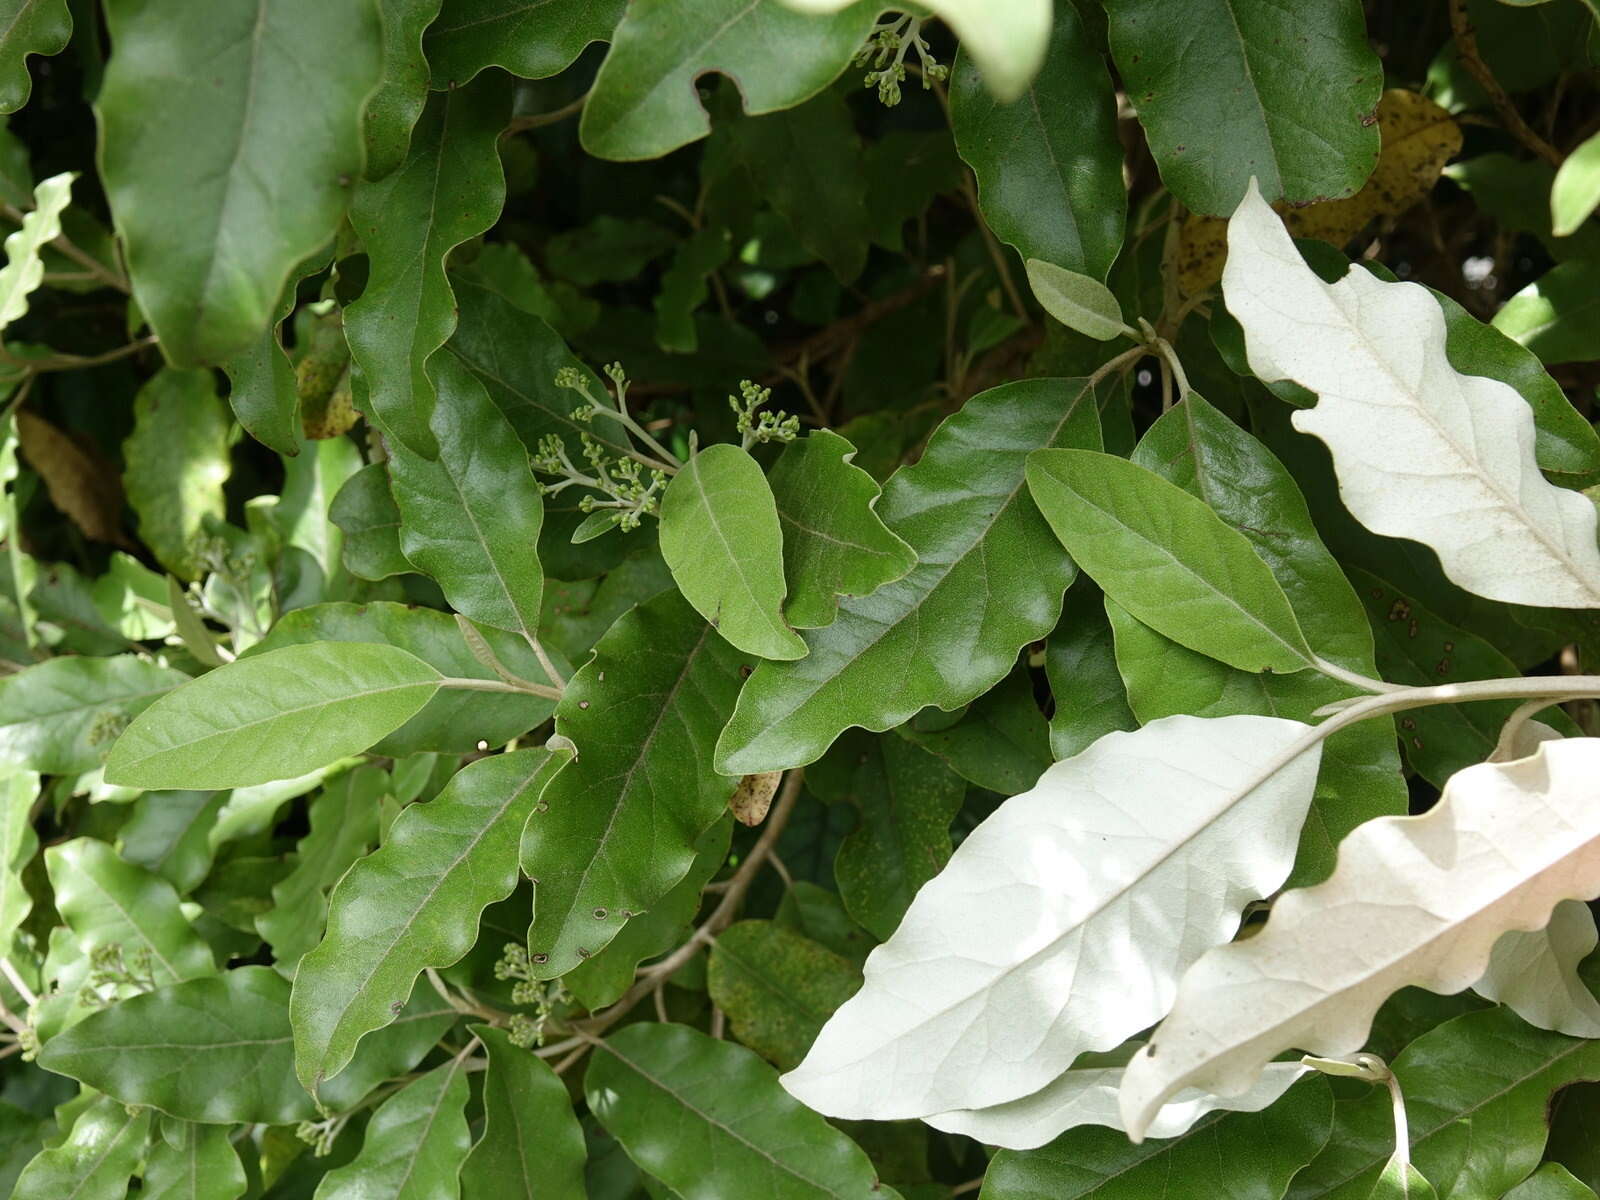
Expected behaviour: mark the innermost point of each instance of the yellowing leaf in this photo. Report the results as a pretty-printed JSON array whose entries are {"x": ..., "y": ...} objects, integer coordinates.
[
  {"x": 81, "y": 484},
  {"x": 1419, "y": 137},
  {"x": 1414, "y": 901}
]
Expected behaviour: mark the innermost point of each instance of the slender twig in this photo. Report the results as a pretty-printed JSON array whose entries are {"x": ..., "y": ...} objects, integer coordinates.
[
  {"x": 499, "y": 685},
  {"x": 16, "y": 981},
  {"x": 553, "y": 117},
  {"x": 1466, "y": 36}
]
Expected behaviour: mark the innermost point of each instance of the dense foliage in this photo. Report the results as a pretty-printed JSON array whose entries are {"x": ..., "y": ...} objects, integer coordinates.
[{"x": 799, "y": 598}]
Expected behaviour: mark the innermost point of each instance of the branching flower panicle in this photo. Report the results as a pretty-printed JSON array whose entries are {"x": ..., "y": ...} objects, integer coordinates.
[
  {"x": 524, "y": 1030},
  {"x": 765, "y": 427},
  {"x": 885, "y": 52}
]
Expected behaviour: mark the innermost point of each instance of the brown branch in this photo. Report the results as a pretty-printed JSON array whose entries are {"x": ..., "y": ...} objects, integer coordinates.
[{"x": 1467, "y": 45}]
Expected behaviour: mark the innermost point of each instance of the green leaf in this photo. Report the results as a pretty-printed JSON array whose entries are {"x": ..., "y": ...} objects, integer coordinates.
[
  {"x": 95, "y": 1162},
  {"x": 1227, "y": 89},
  {"x": 1080, "y": 663},
  {"x": 906, "y": 800},
  {"x": 685, "y": 286},
  {"x": 603, "y": 979},
  {"x": 532, "y": 39},
  {"x": 777, "y": 988},
  {"x": 227, "y": 147},
  {"x": 18, "y": 844},
  {"x": 1477, "y": 1092},
  {"x": 365, "y": 511},
  {"x": 1576, "y": 190},
  {"x": 61, "y": 717},
  {"x": 107, "y": 901},
  {"x": 24, "y": 269},
  {"x": 825, "y": 210},
  {"x": 1244, "y": 1156},
  {"x": 532, "y": 1146},
  {"x": 617, "y": 829},
  {"x": 453, "y": 721},
  {"x": 272, "y": 716},
  {"x": 191, "y": 1161},
  {"x": 1556, "y": 316},
  {"x": 1168, "y": 558},
  {"x": 1002, "y": 743},
  {"x": 988, "y": 581},
  {"x": 411, "y": 905},
  {"x": 343, "y": 827},
  {"x": 1051, "y": 189},
  {"x": 1196, "y": 447},
  {"x": 31, "y": 27},
  {"x": 169, "y": 833},
  {"x": 607, "y": 250},
  {"x": 1080, "y": 302},
  {"x": 414, "y": 1145},
  {"x": 644, "y": 102},
  {"x": 707, "y": 1116},
  {"x": 721, "y": 538},
  {"x": 262, "y": 390},
  {"x": 1551, "y": 1182},
  {"x": 216, "y": 1050},
  {"x": 471, "y": 518},
  {"x": 394, "y": 108},
  {"x": 177, "y": 462},
  {"x": 834, "y": 544},
  {"x": 1402, "y": 1181},
  {"x": 449, "y": 189},
  {"x": 516, "y": 356}
]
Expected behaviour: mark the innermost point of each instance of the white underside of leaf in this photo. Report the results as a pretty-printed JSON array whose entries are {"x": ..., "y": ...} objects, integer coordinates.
[
  {"x": 1421, "y": 451},
  {"x": 1535, "y": 973},
  {"x": 1007, "y": 38},
  {"x": 1413, "y": 901},
  {"x": 1063, "y": 922},
  {"x": 1088, "y": 1096}
]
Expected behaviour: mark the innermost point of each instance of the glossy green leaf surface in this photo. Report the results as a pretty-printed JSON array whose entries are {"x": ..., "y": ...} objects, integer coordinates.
[
  {"x": 365, "y": 511},
  {"x": 215, "y": 1050},
  {"x": 1081, "y": 664},
  {"x": 1050, "y": 188},
  {"x": 834, "y": 542},
  {"x": 414, "y": 1145},
  {"x": 188, "y": 1161},
  {"x": 532, "y": 1147},
  {"x": 448, "y": 189},
  {"x": 699, "y": 1114},
  {"x": 777, "y": 987},
  {"x": 1002, "y": 743},
  {"x": 62, "y": 716},
  {"x": 471, "y": 518},
  {"x": 96, "y": 1160},
  {"x": 617, "y": 829},
  {"x": 905, "y": 799},
  {"x": 1576, "y": 190},
  {"x": 1168, "y": 558},
  {"x": 31, "y": 27},
  {"x": 529, "y": 38},
  {"x": 452, "y": 721},
  {"x": 273, "y": 716},
  {"x": 1196, "y": 447},
  {"x": 1550, "y": 1182},
  {"x": 1250, "y": 1156},
  {"x": 107, "y": 901},
  {"x": 177, "y": 458},
  {"x": 602, "y": 979},
  {"x": 644, "y": 102},
  {"x": 393, "y": 109},
  {"x": 989, "y": 579},
  {"x": 1556, "y": 316},
  {"x": 721, "y": 538},
  {"x": 261, "y": 379},
  {"x": 225, "y": 106},
  {"x": 412, "y": 905},
  {"x": 1477, "y": 1092},
  {"x": 1227, "y": 89}
]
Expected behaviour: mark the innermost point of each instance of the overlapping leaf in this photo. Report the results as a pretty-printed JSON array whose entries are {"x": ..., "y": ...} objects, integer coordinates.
[
  {"x": 1012, "y": 962},
  {"x": 31, "y": 27},
  {"x": 532, "y": 1146},
  {"x": 988, "y": 580},
  {"x": 617, "y": 829},
  {"x": 1421, "y": 451},
  {"x": 1413, "y": 901},
  {"x": 414, "y": 1145},
  {"x": 530, "y": 38},
  {"x": 62, "y": 716},
  {"x": 227, "y": 147}
]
